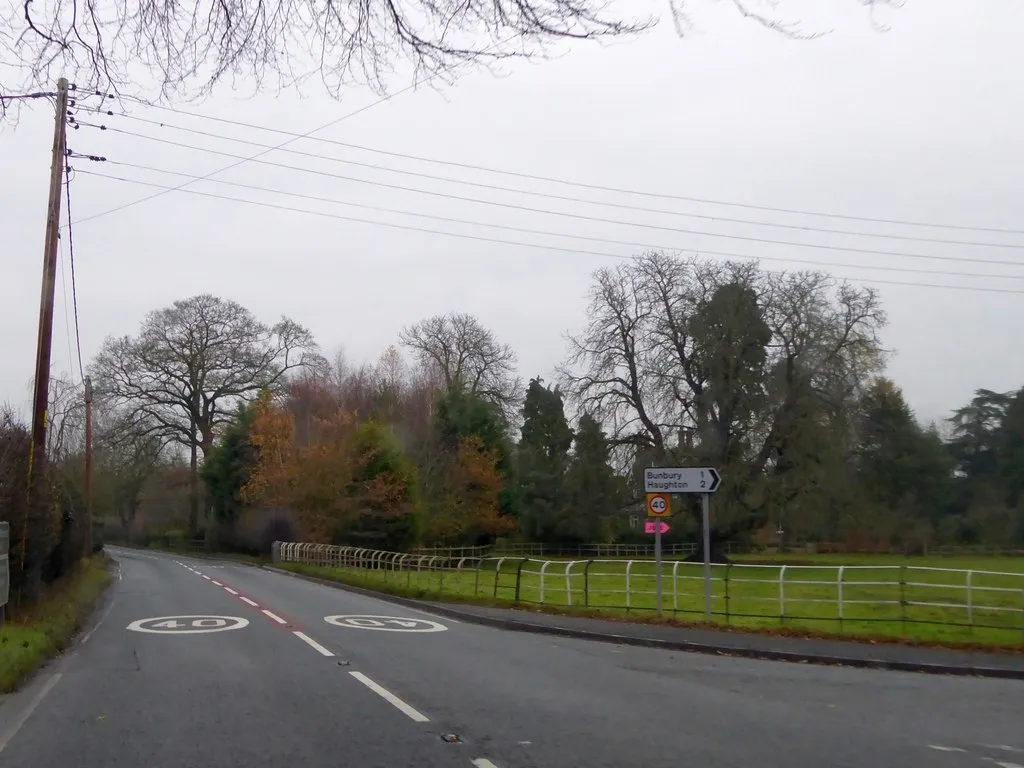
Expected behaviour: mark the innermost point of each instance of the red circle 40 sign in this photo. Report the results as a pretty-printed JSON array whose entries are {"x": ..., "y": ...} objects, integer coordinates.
[{"x": 658, "y": 505}]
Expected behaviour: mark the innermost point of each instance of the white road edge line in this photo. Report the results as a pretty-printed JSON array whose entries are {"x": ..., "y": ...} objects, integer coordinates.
[
  {"x": 390, "y": 698},
  {"x": 312, "y": 643},
  {"x": 88, "y": 635},
  {"x": 230, "y": 591},
  {"x": 274, "y": 616},
  {"x": 941, "y": 748},
  {"x": 483, "y": 762},
  {"x": 5, "y": 738},
  {"x": 253, "y": 603}
]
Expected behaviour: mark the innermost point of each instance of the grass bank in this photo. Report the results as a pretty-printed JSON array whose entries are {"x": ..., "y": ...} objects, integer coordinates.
[{"x": 28, "y": 640}]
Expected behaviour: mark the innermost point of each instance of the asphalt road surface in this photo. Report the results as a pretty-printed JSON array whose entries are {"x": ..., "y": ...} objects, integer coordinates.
[{"x": 199, "y": 664}]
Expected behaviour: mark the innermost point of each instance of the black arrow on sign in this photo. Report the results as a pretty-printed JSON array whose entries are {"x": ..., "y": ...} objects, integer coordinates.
[{"x": 716, "y": 480}]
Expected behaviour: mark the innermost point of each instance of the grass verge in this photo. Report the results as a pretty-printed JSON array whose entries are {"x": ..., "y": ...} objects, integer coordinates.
[
  {"x": 27, "y": 641},
  {"x": 462, "y": 587}
]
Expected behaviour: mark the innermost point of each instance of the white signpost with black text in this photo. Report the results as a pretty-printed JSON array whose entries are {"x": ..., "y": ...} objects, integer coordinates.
[{"x": 659, "y": 484}]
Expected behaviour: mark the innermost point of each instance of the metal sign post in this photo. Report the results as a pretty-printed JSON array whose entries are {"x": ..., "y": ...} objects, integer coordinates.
[
  {"x": 706, "y": 526},
  {"x": 659, "y": 482},
  {"x": 658, "y": 505}
]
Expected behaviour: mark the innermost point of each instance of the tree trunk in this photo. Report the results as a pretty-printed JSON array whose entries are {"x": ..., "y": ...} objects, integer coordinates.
[
  {"x": 193, "y": 491},
  {"x": 211, "y": 539}
]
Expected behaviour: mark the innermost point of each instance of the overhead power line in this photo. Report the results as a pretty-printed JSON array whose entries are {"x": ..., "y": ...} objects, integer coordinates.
[
  {"x": 530, "y": 231},
  {"x": 308, "y": 134},
  {"x": 71, "y": 253},
  {"x": 242, "y": 160},
  {"x": 565, "y": 198},
  {"x": 564, "y": 214},
  {"x": 482, "y": 238},
  {"x": 579, "y": 184}
]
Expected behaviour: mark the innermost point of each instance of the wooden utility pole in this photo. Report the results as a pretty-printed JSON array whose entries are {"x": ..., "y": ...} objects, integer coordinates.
[
  {"x": 41, "y": 401},
  {"x": 88, "y": 467}
]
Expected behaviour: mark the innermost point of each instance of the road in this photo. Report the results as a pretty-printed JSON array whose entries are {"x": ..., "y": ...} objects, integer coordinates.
[{"x": 290, "y": 688}]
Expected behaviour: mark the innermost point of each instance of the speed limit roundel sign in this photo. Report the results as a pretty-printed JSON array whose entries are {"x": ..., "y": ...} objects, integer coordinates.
[{"x": 658, "y": 505}]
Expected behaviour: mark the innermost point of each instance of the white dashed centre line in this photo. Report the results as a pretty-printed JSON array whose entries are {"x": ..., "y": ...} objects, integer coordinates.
[
  {"x": 218, "y": 583},
  {"x": 205, "y": 576},
  {"x": 230, "y": 591},
  {"x": 390, "y": 698},
  {"x": 946, "y": 749},
  {"x": 483, "y": 762},
  {"x": 313, "y": 644},
  {"x": 274, "y": 616},
  {"x": 253, "y": 603}
]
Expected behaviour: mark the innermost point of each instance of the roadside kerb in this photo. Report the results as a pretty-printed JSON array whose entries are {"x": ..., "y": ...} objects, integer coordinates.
[{"x": 722, "y": 649}]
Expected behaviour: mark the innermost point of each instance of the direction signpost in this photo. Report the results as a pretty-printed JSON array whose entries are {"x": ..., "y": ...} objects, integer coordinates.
[{"x": 659, "y": 482}]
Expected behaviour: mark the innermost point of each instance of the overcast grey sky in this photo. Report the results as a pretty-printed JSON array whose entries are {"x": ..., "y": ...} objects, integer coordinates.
[{"x": 919, "y": 123}]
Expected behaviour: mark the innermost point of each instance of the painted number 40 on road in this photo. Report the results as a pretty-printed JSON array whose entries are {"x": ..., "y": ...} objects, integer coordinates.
[
  {"x": 188, "y": 625},
  {"x": 386, "y": 623}
]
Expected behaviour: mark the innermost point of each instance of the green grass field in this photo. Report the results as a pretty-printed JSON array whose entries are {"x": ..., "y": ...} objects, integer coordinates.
[
  {"x": 27, "y": 641},
  {"x": 890, "y": 597}
]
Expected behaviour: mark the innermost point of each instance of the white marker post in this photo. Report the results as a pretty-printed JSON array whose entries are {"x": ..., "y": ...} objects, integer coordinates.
[{"x": 661, "y": 481}]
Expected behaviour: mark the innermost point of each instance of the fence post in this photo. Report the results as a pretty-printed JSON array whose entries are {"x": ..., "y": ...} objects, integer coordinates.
[
  {"x": 782, "y": 595},
  {"x": 903, "y": 598},
  {"x": 586, "y": 583},
  {"x": 970, "y": 599},
  {"x": 568, "y": 582},
  {"x": 497, "y": 575},
  {"x": 839, "y": 592},
  {"x": 519, "y": 577},
  {"x": 675, "y": 586},
  {"x": 629, "y": 566},
  {"x": 476, "y": 580},
  {"x": 543, "y": 570},
  {"x": 728, "y": 596}
]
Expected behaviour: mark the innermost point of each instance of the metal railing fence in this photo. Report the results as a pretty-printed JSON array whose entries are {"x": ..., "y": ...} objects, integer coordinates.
[{"x": 846, "y": 595}]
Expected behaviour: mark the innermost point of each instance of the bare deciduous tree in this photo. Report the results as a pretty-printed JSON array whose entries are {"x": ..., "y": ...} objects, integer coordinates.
[
  {"x": 462, "y": 353},
  {"x": 65, "y": 416},
  {"x": 689, "y": 359},
  {"x": 184, "y": 375},
  {"x": 129, "y": 453},
  {"x": 191, "y": 46}
]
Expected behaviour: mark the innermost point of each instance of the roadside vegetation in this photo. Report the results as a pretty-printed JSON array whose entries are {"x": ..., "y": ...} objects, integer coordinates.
[
  {"x": 33, "y": 635},
  {"x": 54, "y": 575}
]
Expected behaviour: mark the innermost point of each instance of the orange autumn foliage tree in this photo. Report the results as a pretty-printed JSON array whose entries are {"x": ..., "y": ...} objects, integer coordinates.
[
  {"x": 346, "y": 482},
  {"x": 311, "y": 480},
  {"x": 471, "y": 505}
]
